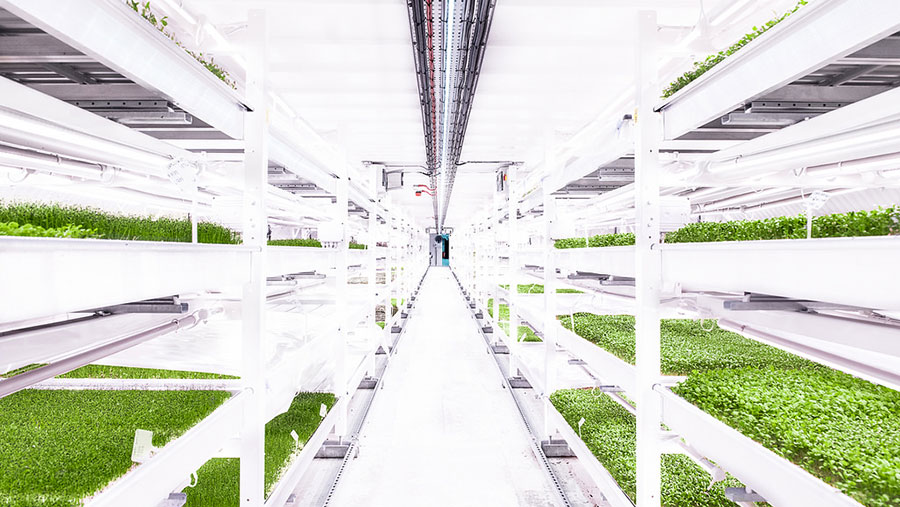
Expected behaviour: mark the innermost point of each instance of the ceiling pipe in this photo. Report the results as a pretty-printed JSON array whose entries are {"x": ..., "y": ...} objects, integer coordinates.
[
  {"x": 421, "y": 29},
  {"x": 480, "y": 14}
]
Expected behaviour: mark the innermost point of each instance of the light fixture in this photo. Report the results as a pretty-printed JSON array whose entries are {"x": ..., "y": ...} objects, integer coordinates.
[
  {"x": 883, "y": 163},
  {"x": 764, "y": 119},
  {"x": 846, "y": 145},
  {"x": 24, "y": 130},
  {"x": 149, "y": 117},
  {"x": 33, "y": 160}
]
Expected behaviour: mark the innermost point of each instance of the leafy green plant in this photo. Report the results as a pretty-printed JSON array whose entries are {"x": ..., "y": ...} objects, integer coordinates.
[
  {"x": 503, "y": 322},
  {"x": 121, "y": 372},
  {"x": 218, "y": 481},
  {"x": 711, "y": 61},
  {"x": 536, "y": 288},
  {"x": 58, "y": 447},
  {"x": 143, "y": 8},
  {"x": 34, "y": 231},
  {"x": 600, "y": 240},
  {"x": 825, "y": 421},
  {"x": 609, "y": 431},
  {"x": 357, "y": 246},
  {"x": 879, "y": 222},
  {"x": 90, "y": 222},
  {"x": 686, "y": 345},
  {"x": 295, "y": 242},
  {"x": 840, "y": 428}
]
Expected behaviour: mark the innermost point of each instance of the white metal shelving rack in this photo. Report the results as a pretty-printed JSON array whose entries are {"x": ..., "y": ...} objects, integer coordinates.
[
  {"x": 694, "y": 280},
  {"x": 46, "y": 280}
]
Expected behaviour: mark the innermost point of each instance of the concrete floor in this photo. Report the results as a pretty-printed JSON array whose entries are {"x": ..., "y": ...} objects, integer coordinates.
[{"x": 443, "y": 431}]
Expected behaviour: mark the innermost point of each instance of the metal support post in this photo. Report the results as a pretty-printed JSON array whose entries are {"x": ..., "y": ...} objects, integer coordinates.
[
  {"x": 392, "y": 261},
  {"x": 194, "y": 215},
  {"x": 647, "y": 264},
  {"x": 372, "y": 270},
  {"x": 513, "y": 269},
  {"x": 388, "y": 262},
  {"x": 256, "y": 163},
  {"x": 549, "y": 304},
  {"x": 494, "y": 291},
  {"x": 342, "y": 260}
]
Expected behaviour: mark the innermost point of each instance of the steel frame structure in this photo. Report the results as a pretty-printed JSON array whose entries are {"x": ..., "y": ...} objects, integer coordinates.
[
  {"x": 55, "y": 279},
  {"x": 694, "y": 280}
]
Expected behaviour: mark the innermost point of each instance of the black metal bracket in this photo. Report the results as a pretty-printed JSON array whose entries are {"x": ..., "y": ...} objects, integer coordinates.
[
  {"x": 764, "y": 302},
  {"x": 158, "y": 305},
  {"x": 743, "y": 495}
]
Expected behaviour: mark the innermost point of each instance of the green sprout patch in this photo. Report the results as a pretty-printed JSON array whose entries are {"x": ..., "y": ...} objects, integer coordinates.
[
  {"x": 35, "y": 231},
  {"x": 839, "y": 428},
  {"x": 218, "y": 483},
  {"x": 503, "y": 322},
  {"x": 295, "y": 242},
  {"x": 90, "y": 222},
  {"x": 610, "y": 433},
  {"x": 58, "y": 447},
  {"x": 711, "y": 61},
  {"x": 878, "y": 222},
  {"x": 600, "y": 240},
  {"x": 124, "y": 372},
  {"x": 536, "y": 288},
  {"x": 686, "y": 345}
]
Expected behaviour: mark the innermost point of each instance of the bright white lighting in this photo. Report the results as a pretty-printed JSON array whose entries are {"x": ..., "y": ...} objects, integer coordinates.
[
  {"x": 178, "y": 9},
  {"x": 770, "y": 161},
  {"x": 224, "y": 45},
  {"x": 736, "y": 6},
  {"x": 55, "y": 136}
]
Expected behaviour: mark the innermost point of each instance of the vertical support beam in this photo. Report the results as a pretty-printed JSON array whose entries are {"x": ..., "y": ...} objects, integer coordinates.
[
  {"x": 372, "y": 269},
  {"x": 392, "y": 260},
  {"x": 372, "y": 259},
  {"x": 512, "y": 206},
  {"x": 647, "y": 263},
  {"x": 496, "y": 275},
  {"x": 388, "y": 262},
  {"x": 256, "y": 161},
  {"x": 549, "y": 303},
  {"x": 478, "y": 232},
  {"x": 401, "y": 273},
  {"x": 194, "y": 216},
  {"x": 342, "y": 260}
]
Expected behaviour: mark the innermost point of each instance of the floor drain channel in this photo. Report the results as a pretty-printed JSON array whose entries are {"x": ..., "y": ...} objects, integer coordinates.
[
  {"x": 545, "y": 463},
  {"x": 350, "y": 451}
]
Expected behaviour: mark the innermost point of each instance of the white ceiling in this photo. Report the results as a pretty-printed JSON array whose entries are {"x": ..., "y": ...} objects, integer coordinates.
[{"x": 347, "y": 68}]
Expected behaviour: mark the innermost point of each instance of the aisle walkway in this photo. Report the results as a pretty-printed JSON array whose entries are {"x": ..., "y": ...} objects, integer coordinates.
[{"x": 443, "y": 431}]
